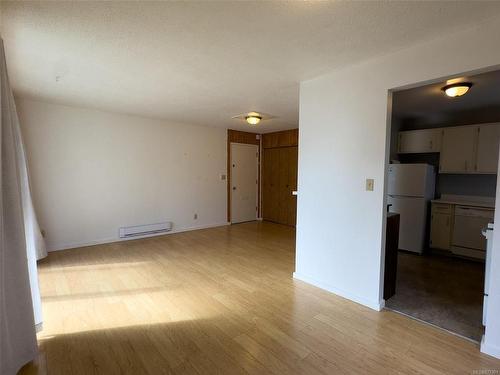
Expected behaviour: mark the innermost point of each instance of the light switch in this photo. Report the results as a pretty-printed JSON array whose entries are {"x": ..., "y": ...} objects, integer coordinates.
[
  {"x": 369, "y": 184},
  {"x": 223, "y": 177}
]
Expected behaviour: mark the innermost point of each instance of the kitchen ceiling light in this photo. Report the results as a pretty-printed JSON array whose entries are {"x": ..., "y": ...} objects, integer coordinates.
[
  {"x": 253, "y": 118},
  {"x": 457, "y": 89}
]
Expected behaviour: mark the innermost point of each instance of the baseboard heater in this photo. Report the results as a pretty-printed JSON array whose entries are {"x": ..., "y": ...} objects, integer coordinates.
[{"x": 145, "y": 230}]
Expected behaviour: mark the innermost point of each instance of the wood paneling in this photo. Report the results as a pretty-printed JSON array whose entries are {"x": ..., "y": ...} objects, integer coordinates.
[
  {"x": 284, "y": 138},
  {"x": 242, "y": 137},
  {"x": 236, "y": 136},
  {"x": 222, "y": 301}
]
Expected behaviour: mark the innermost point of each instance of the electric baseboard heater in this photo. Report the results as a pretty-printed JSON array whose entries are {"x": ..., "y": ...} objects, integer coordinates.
[{"x": 145, "y": 230}]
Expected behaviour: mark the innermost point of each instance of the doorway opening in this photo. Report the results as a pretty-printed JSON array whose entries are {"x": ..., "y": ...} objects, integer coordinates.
[{"x": 441, "y": 185}]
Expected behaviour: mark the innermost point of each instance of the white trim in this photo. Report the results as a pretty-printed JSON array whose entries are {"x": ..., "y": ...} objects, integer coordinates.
[
  {"x": 102, "y": 241},
  {"x": 375, "y": 305},
  {"x": 492, "y": 350}
]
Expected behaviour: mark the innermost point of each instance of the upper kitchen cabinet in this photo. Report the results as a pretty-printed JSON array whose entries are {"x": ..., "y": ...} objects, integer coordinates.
[
  {"x": 458, "y": 150},
  {"x": 419, "y": 141},
  {"x": 487, "y": 148}
]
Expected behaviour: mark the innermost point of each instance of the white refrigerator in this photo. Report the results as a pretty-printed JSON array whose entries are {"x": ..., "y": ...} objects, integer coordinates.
[{"x": 410, "y": 187}]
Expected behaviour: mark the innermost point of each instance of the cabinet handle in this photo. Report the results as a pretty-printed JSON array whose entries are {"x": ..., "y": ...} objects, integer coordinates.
[{"x": 431, "y": 144}]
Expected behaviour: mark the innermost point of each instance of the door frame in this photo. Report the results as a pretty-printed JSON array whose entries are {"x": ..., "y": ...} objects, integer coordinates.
[
  {"x": 237, "y": 136},
  {"x": 488, "y": 344}
]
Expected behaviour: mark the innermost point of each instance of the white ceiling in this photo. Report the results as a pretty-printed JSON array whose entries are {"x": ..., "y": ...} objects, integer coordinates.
[
  {"x": 429, "y": 100},
  {"x": 204, "y": 62},
  {"x": 427, "y": 106}
]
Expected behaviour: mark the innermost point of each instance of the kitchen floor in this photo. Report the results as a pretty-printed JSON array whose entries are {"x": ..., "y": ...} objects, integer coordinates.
[{"x": 441, "y": 290}]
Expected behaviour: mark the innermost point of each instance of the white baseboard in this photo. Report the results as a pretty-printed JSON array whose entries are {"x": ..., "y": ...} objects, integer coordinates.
[
  {"x": 492, "y": 350},
  {"x": 103, "y": 241},
  {"x": 375, "y": 305}
]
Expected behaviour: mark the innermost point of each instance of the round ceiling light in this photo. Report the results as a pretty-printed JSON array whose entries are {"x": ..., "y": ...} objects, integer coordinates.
[
  {"x": 457, "y": 89},
  {"x": 253, "y": 118}
]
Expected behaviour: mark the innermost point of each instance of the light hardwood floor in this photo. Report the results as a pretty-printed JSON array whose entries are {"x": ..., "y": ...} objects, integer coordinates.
[{"x": 222, "y": 301}]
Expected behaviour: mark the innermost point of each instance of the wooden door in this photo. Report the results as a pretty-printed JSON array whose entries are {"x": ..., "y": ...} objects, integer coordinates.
[
  {"x": 279, "y": 179},
  {"x": 266, "y": 183},
  {"x": 292, "y": 181},
  {"x": 271, "y": 182},
  {"x": 284, "y": 187}
]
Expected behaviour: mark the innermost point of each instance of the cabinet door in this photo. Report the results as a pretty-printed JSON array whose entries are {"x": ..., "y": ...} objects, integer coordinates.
[
  {"x": 458, "y": 150},
  {"x": 487, "y": 148},
  {"x": 440, "y": 231},
  {"x": 420, "y": 141}
]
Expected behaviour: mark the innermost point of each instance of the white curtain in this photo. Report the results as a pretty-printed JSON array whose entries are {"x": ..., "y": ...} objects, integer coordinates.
[{"x": 20, "y": 242}]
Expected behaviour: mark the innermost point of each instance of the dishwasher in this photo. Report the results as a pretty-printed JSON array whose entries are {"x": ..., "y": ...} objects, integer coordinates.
[{"x": 467, "y": 239}]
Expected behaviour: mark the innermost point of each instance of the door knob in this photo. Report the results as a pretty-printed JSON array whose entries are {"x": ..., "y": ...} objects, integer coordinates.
[{"x": 234, "y": 187}]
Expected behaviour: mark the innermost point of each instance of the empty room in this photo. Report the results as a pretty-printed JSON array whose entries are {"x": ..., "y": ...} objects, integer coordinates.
[{"x": 247, "y": 187}]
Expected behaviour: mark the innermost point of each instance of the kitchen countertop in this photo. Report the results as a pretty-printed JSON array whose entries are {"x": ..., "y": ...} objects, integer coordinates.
[{"x": 464, "y": 200}]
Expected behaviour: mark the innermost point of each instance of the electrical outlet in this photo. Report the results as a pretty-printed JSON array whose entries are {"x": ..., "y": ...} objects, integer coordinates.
[
  {"x": 195, "y": 216},
  {"x": 369, "y": 184}
]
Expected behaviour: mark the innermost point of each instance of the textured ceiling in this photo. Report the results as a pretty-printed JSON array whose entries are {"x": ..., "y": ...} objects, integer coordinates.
[{"x": 204, "y": 62}]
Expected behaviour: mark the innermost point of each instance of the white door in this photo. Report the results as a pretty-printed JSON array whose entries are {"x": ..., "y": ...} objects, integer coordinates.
[
  {"x": 244, "y": 180},
  {"x": 413, "y": 215},
  {"x": 458, "y": 150}
]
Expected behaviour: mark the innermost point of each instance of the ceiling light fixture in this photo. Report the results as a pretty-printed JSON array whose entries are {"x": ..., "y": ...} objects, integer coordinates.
[
  {"x": 253, "y": 118},
  {"x": 457, "y": 89}
]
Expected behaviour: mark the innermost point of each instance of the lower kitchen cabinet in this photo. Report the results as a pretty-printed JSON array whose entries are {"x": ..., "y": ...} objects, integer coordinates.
[{"x": 441, "y": 226}]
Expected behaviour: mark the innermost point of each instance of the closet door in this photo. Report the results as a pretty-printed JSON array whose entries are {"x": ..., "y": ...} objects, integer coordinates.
[
  {"x": 292, "y": 181},
  {"x": 266, "y": 183},
  {"x": 274, "y": 185},
  {"x": 284, "y": 187}
]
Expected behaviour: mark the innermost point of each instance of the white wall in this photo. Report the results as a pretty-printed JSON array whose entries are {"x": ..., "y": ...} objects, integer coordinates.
[
  {"x": 491, "y": 340},
  {"x": 343, "y": 141},
  {"x": 93, "y": 172}
]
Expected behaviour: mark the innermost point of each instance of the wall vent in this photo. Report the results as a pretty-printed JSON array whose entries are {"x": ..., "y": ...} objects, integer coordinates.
[{"x": 145, "y": 230}]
